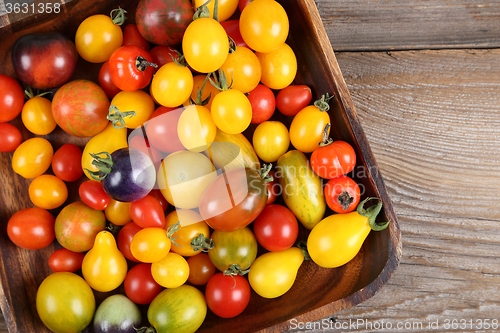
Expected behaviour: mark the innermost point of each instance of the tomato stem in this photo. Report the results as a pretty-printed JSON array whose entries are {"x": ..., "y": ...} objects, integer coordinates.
[
  {"x": 202, "y": 243},
  {"x": 202, "y": 11},
  {"x": 118, "y": 16},
  {"x": 117, "y": 117},
  {"x": 264, "y": 172},
  {"x": 326, "y": 136},
  {"x": 219, "y": 80},
  {"x": 303, "y": 246},
  {"x": 371, "y": 213},
  {"x": 142, "y": 64},
  {"x": 103, "y": 164},
  {"x": 235, "y": 269},
  {"x": 171, "y": 230},
  {"x": 322, "y": 103},
  {"x": 199, "y": 94},
  {"x": 28, "y": 93}
]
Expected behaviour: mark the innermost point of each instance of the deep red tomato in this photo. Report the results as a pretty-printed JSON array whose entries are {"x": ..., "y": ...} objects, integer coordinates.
[
  {"x": 342, "y": 194},
  {"x": 10, "y": 137},
  {"x": 92, "y": 194},
  {"x": 242, "y": 4},
  {"x": 147, "y": 212},
  {"x": 132, "y": 36},
  {"x": 105, "y": 81},
  {"x": 161, "y": 199},
  {"x": 161, "y": 129},
  {"x": 232, "y": 28},
  {"x": 66, "y": 162},
  {"x": 11, "y": 98},
  {"x": 124, "y": 238},
  {"x": 227, "y": 295},
  {"x": 162, "y": 54},
  {"x": 139, "y": 284},
  {"x": 201, "y": 269},
  {"x": 64, "y": 260},
  {"x": 333, "y": 160},
  {"x": 31, "y": 228},
  {"x": 276, "y": 228},
  {"x": 233, "y": 200},
  {"x": 273, "y": 188},
  {"x": 293, "y": 98},
  {"x": 263, "y": 103},
  {"x": 131, "y": 68}
]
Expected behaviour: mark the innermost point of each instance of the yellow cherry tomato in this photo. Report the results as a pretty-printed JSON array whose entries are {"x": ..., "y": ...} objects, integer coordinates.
[
  {"x": 271, "y": 140},
  {"x": 150, "y": 244},
  {"x": 48, "y": 191},
  {"x": 279, "y": 67},
  {"x": 172, "y": 84},
  {"x": 225, "y": 8},
  {"x": 131, "y": 108},
  {"x": 231, "y": 111},
  {"x": 191, "y": 225},
  {"x": 196, "y": 129},
  {"x": 37, "y": 117},
  {"x": 32, "y": 157},
  {"x": 170, "y": 272},
  {"x": 242, "y": 69},
  {"x": 118, "y": 212}
]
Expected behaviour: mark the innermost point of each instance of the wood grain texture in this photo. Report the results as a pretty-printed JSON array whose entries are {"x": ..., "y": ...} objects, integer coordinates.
[
  {"x": 356, "y": 25},
  {"x": 432, "y": 118}
]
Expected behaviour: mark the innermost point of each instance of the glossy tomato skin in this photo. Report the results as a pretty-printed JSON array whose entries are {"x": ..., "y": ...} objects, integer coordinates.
[
  {"x": 37, "y": 117},
  {"x": 80, "y": 108},
  {"x": 139, "y": 284},
  {"x": 233, "y": 200},
  {"x": 162, "y": 54},
  {"x": 163, "y": 22},
  {"x": 276, "y": 228},
  {"x": 263, "y": 103},
  {"x": 233, "y": 248},
  {"x": 93, "y": 195},
  {"x": 227, "y": 295},
  {"x": 342, "y": 194},
  {"x": 201, "y": 269},
  {"x": 105, "y": 81},
  {"x": 48, "y": 191},
  {"x": 10, "y": 137},
  {"x": 307, "y": 128},
  {"x": 147, "y": 212},
  {"x": 131, "y": 68},
  {"x": 64, "y": 260},
  {"x": 124, "y": 238},
  {"x": 273, "y": 188},
  {"x": 335, "y": 159},
  {"x": 31, "y": 228},
  {"x": 132, "y": 36},
  {"x": 66, "y": 162},
  {"x": 271, "y": 140},
  {"x": 32, "y": 157},
  {"x": 293, "y": 98},
  {"x": 232, "y": 28},
  {"x": 44, "y": 60},
  {"x": 11, "y": 98},
  {"x": 117, "y": 314}
]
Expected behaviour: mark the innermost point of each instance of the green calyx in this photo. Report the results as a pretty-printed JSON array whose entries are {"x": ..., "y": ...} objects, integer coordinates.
[
  {"x": 199, "y": 94},
  {"x": 371, "y": 213},
  {"x": 118, "y": 16},
  {"x": 264, "y": 172},
  {"x": 326, "y": 140},
  {"x": 104, "y": 165},
  {"x": 117, "y": 117},
  {"x": 322, "y": 103},
  {"x": 202, "y": 243},
  {"x": 218, "y": 80},
  {"x": 235, "y": 269}
]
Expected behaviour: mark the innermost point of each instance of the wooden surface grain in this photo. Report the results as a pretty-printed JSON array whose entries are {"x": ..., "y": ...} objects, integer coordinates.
[{"x": 432, "y": 118}]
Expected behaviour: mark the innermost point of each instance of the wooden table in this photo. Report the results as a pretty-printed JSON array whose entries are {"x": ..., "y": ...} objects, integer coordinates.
[{"x": 425, "y": 79}]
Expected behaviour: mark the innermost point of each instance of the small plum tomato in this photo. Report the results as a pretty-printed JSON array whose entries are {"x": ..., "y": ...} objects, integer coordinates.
[
  {"x": 117, "y": 212},
  {"x": 11, "y": 98},
  {"x": 32, "y": 157},
  {"x": 31, "y": 228},
  {"x": 231, "y": 111},
  {"x": 201, "y": 269},
  {"x": 92, "y": 194},
  {"x": 48, "y": 191},
  {"x": 131, "y": 109},
  {"x": 293, "y": 98},
  {"x": 139, "y": 285},
  {"x": 64, "y": 260},
  {"x": 105, "y": 81},
  {"x": 263, "y": 103},
  {"x": 37, "y": 117},
  {"x": 124, "y": 238}
]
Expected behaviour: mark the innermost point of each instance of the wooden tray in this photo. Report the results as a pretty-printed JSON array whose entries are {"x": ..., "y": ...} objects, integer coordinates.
[{"x": 317, "y": 292}]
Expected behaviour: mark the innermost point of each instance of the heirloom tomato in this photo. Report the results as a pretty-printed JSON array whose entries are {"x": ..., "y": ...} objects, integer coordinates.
[
  {"x": 161, "y": 129},
  {"x": 92, "y": 194},
  {"x": 117, "y": 212},
  {"x": 270, "y": 140},
  {"x": 242, "y": 69},
  {"x": 190, "y": 226},
  {"x": 227, "y": 296},
  {"x": 201, "y": 269},
  {"x": 263, "y": 103},
  {"x": 171, "y": 271},
  {"x": 65, "y": 302},
  {"x": 105, "y": 81},
  {"x": 278, "y": 67},
  {"x": 342, "y": 194},
  {"x": 31, "y": 228},
  {"x": 124, "y": 238},
  {"x": 264, "y": 25},
  {"x": 64, "y": 260},
  {"x": 225, "y": 8},
  {"x": 100, "y": 35},
  {"x": 131, "y": 67},
  {"x": 150, "y": 244},
  {"x": 172, "y": 84},
  {"x": 139, "y": 284},
  {"x": 66, "y": 162},
  {"x": 10, "y": 137},
  {"x": 196, "y": 128},
  {"x": 338, "y": 238},
  {"x": 308, "y": 125},
  {"x": 47, "y": 191},
  {"x": 293, "y": 98},
  {"x": 132, "y": 36},
  {"x": 274, "y": 273},
  {"x": 117, "y": 314},
  {"x": 333, "y": 159},
  {"x": 231, "y": 111},
  {"x": 147, "y": 212},
  {"x": 276, "y": 228},
  {"x": 131, "y": 109},
  {"x": 181, "y": 309},
  {"x": 234, "y": 199},
  {"x": 37, "y": 117},
  {"x": 11, "y": 98},
  {"x": 32, "y": 157},
  {"x": 205, "y": 45}
]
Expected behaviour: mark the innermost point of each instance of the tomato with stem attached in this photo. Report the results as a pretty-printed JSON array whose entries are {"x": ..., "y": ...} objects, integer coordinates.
[
  {"x": 227, "y": 296},
  {"x": 131, "y": 67},
  {"x": 342, "y": 194}
]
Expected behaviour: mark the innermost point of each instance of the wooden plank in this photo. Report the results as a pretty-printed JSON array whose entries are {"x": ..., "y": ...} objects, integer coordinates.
[{"x": 419, "y": 24}]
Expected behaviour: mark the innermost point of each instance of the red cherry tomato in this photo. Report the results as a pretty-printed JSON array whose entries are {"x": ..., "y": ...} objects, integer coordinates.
[
  {"x": 293, "y": 98},
  {"x": 242, "y": 4},
  {"x": 105, "y": 82},
  {"x": 147, "y": 212},
  {"x": 161, "y": 129},
  {"x": 273, "y": 188},
  {"x": 232, "y": 28},
  {"x": 139, "y": 284},
  {"x": 131, "y": 67},
  {"x": 66, "y": 162},
  {"x": 227, "y": 295},
  {"x": 11, "y": 98},
  {"x": 333, "y": 160},
  {"x": 93, "y": 195},
  {"x": 31, "y": 228},
  {"x": 263, "y": 103},
  {"x": 342, "y": 194},
  {"x": 162, "y": 54},
  {"x": 132, "y": 36},
  {"x": 276, "y": 228},
  {"x": 160, "y": 197},
  {"x": 124, "y": 238},
  {"x": 10, "y": 137},
  {"x": 64, "y": 260},
  {"x": 201, "y": 269}
]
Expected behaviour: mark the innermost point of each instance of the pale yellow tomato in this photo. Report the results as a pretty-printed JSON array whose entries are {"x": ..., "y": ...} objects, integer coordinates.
[{"x": 271, "y": 140}]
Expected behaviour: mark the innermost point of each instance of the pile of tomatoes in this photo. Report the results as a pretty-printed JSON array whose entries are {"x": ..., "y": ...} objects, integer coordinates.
[{"x": 192, "y": 191}]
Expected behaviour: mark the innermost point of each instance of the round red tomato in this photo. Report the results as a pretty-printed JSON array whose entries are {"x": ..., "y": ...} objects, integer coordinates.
[
  {"x": 293, "y": 98},
  {"x": 139, "y": 284},
  {"x": 11, "y": 98},
  {"x": 10, "y": 137},
  {"x": 105, "y": 81},
  {"x": 31, "y": 228},
  {"x": 64, "y": 260},
  {"x": 276, "y": 228},
  {"x": 161, "y": 129},
  {"x": 147, "y": 212},
  {"x": 232, "y": 28},
  {"x": 92, "y": 194},
  {"x": 227, "y": 295},
  {"x": 162, "y": 54},
  {"x": 342, "y": 194},
  {"x": 201, "y": 269},
  {"x": 66, "y": 162},
  {"x": 263, "y": 103},
  {"x": 132, "y": 36},
  {"x": 333, "y": 160},
  {"x": 131, "y": 68},
  {"x": 124, "y": 238}
]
